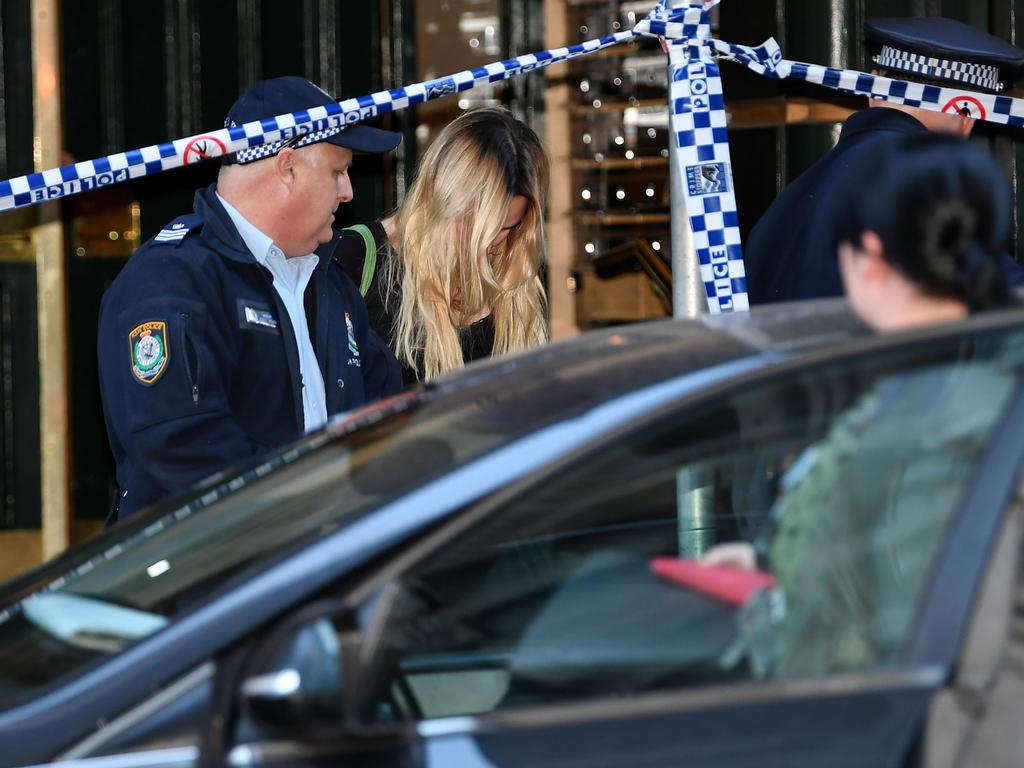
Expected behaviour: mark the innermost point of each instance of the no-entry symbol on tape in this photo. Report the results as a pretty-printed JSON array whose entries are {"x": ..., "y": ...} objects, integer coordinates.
[
  {"x": 968, "y": 106},
  {"x": 203, "y": 148}
]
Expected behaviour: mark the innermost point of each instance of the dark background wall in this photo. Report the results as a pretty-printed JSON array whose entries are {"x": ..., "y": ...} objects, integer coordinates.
[{"x": 19, "y": 376}]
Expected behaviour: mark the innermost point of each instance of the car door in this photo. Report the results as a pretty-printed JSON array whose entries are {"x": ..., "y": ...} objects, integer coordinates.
[{"x": 568, "y": 621}]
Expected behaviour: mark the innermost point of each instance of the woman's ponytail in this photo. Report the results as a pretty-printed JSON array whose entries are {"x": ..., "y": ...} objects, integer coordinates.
[{"x": 941, "y": 207}]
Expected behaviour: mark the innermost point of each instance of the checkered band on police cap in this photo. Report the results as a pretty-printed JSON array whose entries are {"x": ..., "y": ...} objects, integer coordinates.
[
  {"x": 978, "y": 75},
  {"x": 252, "y": 154}
]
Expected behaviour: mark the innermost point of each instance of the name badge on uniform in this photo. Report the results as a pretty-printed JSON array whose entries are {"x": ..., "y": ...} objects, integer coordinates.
[
  {"x": 149, "y": 353},
  {"x": 256, "y": 317}
]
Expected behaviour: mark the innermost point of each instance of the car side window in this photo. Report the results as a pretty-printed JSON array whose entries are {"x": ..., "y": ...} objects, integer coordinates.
[{"x": 835, "y": 482}]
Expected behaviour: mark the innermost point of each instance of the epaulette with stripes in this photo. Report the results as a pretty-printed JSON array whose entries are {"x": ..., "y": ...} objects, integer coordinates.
[{"x": 175, "y": 232}]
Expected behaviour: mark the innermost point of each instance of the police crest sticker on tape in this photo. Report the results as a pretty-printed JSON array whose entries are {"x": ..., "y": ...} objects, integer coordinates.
[{"x": 149, "y": 351}]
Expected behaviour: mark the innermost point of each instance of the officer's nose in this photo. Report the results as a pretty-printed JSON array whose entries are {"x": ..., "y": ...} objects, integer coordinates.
[{"x": 345, "y": 193}]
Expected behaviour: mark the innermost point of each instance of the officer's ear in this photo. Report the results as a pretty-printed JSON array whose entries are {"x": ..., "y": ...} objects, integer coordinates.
[
  {"x": 872, "y": 263},
  {"x": 865, "y": 261},
  {"x": 285, "y": 162}
]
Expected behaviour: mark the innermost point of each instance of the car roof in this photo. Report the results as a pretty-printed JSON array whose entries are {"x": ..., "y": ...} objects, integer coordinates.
[
  {"x": 564, "y": 379},
  {"x": 578, "y": 373}
]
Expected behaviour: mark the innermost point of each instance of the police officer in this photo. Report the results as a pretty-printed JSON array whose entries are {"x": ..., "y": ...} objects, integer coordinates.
[
  {"x": 233, "y": 331},
  {"x": 790, "y": 253}
]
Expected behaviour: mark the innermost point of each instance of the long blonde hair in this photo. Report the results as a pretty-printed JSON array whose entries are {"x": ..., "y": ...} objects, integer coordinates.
[{"x": 444, "y": 268}]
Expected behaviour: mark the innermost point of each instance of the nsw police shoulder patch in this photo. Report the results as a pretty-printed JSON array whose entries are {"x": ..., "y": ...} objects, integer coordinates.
[{"x": 149, "y": 352}]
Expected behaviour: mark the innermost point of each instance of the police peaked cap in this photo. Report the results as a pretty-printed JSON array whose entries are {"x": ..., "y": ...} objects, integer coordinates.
[
  {"x": 283, "y": 95},
  {"x": 945, "y": 49}
]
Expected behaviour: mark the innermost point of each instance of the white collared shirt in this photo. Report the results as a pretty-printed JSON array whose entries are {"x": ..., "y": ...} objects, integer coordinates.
[{"x": 291, "y": 276}]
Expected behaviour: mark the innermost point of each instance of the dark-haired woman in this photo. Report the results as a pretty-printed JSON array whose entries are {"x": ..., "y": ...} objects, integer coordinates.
[
  {"x": 854, "y": 529},
  {"x": 922, "y": 234}
]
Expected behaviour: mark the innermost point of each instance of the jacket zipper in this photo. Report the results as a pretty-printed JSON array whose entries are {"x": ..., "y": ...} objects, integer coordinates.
[
  {"x": 287, "y": 339},
  {"x": 188, "y": 351}
]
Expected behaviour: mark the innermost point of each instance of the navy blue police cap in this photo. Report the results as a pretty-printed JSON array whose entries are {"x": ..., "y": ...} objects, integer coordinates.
[
  {"x": 945, "y": 49},
  {"x": 282, "y": 95}
]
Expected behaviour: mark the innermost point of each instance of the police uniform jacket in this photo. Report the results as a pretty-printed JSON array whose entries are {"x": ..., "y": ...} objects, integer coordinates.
[
  {"x": 790, "y": 253},
  {"x": 199, "y": 368}
]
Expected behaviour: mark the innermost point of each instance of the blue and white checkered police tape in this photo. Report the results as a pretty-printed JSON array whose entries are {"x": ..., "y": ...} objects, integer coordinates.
[
  {"x": 698, "y": 116},
  {"x": 112, "y": 169},
  {"x": 697, "y": 110},
  {"x": 767, "y": 60}
]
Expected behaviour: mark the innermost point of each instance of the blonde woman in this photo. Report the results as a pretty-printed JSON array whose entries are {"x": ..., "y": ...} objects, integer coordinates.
[{"x": 453, "y": 275}]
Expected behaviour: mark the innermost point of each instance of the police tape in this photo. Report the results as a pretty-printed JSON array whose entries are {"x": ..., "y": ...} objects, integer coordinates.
[
  {"x": 698, "y": 122},
  {"x": 767, "y": 60},
  {"x": 112, "y": 169},
  {"x": 696, "y": 106}
]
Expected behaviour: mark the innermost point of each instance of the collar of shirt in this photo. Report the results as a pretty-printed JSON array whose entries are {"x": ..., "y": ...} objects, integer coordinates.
[{"x": 290, "y": 271}]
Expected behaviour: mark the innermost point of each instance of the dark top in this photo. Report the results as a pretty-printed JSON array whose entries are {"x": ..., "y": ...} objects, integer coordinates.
[
  {"x": 791, "y": 252},
  {"x": 199, "y": 369},
  {"x": 477, "y": 339}
]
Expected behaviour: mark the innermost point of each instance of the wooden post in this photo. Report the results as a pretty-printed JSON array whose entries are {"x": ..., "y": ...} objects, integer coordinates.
[
  {"x": 51, "y": 284},
  {"x": 561, "y": 242}
]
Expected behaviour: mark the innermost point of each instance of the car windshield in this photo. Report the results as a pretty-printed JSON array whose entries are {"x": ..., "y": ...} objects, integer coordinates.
[{"x": 132, "y": 581}]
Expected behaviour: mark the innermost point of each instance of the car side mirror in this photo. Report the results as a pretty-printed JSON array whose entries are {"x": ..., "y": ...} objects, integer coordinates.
[
  {"x": 302, "y": 684},
  {"x": 276, "y": 697}
]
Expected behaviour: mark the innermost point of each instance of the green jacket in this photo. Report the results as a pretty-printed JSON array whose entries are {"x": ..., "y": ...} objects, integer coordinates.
[{"x": 863, "y": 512}]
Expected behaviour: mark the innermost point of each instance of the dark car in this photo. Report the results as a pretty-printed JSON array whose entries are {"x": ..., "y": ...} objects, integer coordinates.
[{"x": 501, "y": 569}]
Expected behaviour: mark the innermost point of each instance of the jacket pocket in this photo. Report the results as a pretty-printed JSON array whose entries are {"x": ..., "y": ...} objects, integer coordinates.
[{"x": 190, "y": 357}]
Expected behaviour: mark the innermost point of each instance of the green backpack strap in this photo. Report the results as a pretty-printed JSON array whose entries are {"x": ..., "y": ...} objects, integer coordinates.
[{"x": 370, "y": 262}]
